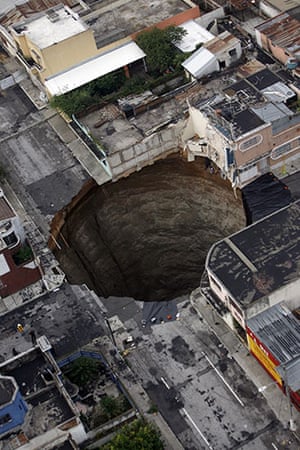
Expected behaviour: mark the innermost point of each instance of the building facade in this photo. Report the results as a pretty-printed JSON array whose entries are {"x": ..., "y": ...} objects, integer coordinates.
[
  {"x": 13, "y": 408},
  {"x": 247, "y": 130},
  {"x": 256, "y": 268},
  {"x": 18, "y": 265}
]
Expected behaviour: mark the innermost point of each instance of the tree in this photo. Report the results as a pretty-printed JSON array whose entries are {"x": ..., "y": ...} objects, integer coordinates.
[
  {"x": 83, "y": 370},
  {"x": 139, "y": 435},
  {"x": 159, "y": 47}
]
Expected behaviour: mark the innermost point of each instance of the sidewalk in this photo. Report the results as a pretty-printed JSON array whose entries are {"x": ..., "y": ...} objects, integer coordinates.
[{"x": 277, "y": 401}]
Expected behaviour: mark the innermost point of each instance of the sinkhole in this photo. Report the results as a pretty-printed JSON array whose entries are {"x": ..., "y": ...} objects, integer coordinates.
[{"x": 147, "y": 236}]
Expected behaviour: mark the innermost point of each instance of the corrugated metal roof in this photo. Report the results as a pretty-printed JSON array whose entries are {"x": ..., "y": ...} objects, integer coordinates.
[
  {"x": 282, "y": 30},
  {"x": 290, "y": 373},
  {"x": 279, "y": 330},
  {"x": 94, "y": 68}
]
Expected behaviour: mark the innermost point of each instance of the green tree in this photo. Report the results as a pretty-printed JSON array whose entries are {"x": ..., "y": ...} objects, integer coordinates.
[
  {"x": 159, "y": 47},
  {"x": 139, "y": 435},
  {"x": 83, "y": 370}
]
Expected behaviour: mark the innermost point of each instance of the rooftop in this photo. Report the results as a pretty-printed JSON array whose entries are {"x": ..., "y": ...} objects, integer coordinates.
[
  {"x": 47, "y": 406},
  {"x": 221, "y": 43},
  {"x": 195, "y": 34},
  {"x": 279, "y": 330},
  {"x": 54, "y": 25},
  {"x": 94, "y": 68},
  {"x": 114, "y": 20},
  {"x": 263, "y": 79},
  {"x": 259, "y": 259},
  {"x": 284, "y": 5},
  {"x": 283, "y": 31},
  {"x": 12, "y": 11},
  {"x": 6, "y": 211},
  {"x": 7, "y": 389},
  {"x": 69, "y": 317},
  {"x": 233, "y": 119}
]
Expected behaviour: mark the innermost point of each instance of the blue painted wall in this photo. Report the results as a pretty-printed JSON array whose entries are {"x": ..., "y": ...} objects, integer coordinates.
[{"x": 16, "y": 411}]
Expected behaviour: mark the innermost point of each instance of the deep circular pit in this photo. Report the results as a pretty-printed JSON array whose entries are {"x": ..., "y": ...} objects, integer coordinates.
[{"x": 147, "y": 236}]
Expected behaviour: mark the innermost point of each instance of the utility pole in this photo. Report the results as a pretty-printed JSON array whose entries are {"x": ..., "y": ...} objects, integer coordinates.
[
  {"x": 292, "y": 423},
  {"x": 110, "y": 330}
]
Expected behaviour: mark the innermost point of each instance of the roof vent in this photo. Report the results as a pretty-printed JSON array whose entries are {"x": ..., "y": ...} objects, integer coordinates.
[{"x": 52, "y": 15}]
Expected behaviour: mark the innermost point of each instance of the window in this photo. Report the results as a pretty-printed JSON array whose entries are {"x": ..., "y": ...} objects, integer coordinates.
[
  {"x": 255, "y": 140},
  {"x": 215, "y": 284},
  {"x": 11, "y": 239},
  {"x": 279, "y": 151},
  {"x": 234, "y": 306},
  {"x": 4, "y": 419},
  {"x": 233, "y": 53}
]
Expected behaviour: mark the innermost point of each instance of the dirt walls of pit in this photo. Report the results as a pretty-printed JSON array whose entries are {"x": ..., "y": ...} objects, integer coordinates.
[{"x": 147, "y": 236}]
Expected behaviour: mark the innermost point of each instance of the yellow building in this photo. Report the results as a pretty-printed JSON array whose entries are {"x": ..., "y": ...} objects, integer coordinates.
[{"x": 54, "y": 41}]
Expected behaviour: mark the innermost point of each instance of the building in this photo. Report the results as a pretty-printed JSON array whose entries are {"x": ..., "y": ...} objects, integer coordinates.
[
  {"x": 257, "y": 268},
  {"x": 274, "y": 340},
  {"x": 38, "y": 412},
  {"x": 13, "y": 408},
  {"x": 250, "y": 128},
  {"x": 280, "y": 37},
  {"x": 54, "y": 44},
  {"x": 53, "y": 41},
  {"x": 272, "y": 8},
  {"x": 18, "y": 266},
  {"x": 218, "y": 53}
]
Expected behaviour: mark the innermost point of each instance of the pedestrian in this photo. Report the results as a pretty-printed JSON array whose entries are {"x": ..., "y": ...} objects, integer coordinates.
[
  {"x": 20, "y": 328},
  {"x": 15, "y": 352}
]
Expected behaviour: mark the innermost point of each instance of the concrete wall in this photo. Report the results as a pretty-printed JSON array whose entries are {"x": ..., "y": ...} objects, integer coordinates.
[
  {"x": 177, "y": 20},
  {"x": 278, "y": 52},
  {"x": 146, "y": 151},
  {"x": 60, "y": 56},
  {"x": 205, "y": 19},
  {"x": 245, "y": 154},
  {"x": 16, "y": 410},
  {"x": 288, "y": 293}
]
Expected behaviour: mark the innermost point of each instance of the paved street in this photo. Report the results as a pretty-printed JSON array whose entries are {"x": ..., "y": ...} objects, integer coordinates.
[
  {"x": 199, "y": 388},
  {"x": 41, "y": 168}
]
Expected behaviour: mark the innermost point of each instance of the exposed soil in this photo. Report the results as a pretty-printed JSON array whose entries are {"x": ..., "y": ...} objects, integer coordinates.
[{"x": 147, "y": 236}]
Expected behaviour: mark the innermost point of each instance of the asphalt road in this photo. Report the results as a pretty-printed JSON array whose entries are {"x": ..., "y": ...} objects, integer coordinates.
[{"x": 200, "y": 390}]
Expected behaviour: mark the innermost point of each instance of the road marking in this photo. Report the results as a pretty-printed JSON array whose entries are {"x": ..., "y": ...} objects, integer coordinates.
[
  {"x": 196, "y": 427},
  {"x": 165, "y": 383},
  {"x": 274, "y": 446},
  {"x": 223, "y": 379}
]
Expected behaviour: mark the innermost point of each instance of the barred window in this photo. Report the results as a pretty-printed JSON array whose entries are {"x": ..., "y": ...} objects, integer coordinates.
[
  {"x": 279, "y": 151},
  {"x": 255, "y": 140}
]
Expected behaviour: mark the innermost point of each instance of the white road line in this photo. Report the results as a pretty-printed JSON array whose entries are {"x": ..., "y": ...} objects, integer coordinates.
[
  {"x": 165, "y": 383},
  {"x": 196, "y": 427},
  {"x": 274, "y": 446},
  {"x": 223, "y": 379}
]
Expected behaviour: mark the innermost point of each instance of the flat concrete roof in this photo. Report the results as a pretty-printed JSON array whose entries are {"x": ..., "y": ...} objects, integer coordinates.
[
  {"x": 52, "y": 26},
  {"x": 47, "y": 406},
  {"x": 118, "y": 19},
  {"x": 283, "y": 5},
  {"x": 261, "y": 258}
]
